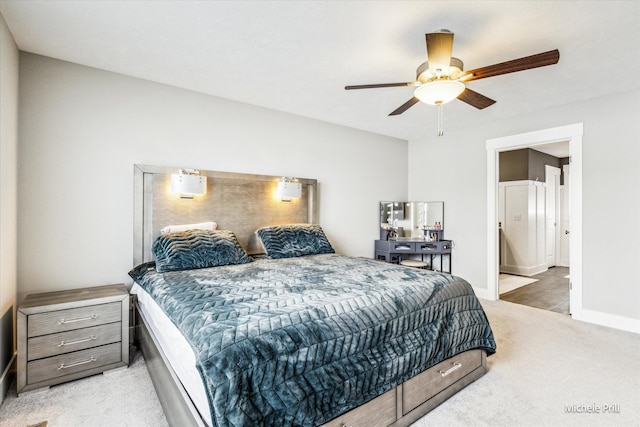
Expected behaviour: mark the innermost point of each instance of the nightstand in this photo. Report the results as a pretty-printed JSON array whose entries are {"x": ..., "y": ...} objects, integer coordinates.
[{"x": 66, "y": 335}]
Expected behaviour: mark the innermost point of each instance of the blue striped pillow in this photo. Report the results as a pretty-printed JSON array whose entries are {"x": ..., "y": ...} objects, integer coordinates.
[
  {"x": 294, "y": 240},
  {"x": 186, "y": 250}
]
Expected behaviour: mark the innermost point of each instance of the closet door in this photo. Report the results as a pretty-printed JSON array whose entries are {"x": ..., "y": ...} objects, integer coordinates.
[
  {"x": 552, "y": 185},
  {"x": 565, "y": 220},
  {"x": 501, "y": 225}
]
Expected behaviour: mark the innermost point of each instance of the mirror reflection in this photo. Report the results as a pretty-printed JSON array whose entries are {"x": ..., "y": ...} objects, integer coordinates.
[{"x": 410, "y": 219}]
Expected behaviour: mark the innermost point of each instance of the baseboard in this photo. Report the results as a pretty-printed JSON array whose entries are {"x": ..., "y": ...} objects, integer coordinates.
[
  {"x": 483, "y": 293},
  {"x": 610, "y": 320},
  {"x": 589, "y": 316},
  {"x": 7, "y": 378},
  {"x": 523, "y": 271}
]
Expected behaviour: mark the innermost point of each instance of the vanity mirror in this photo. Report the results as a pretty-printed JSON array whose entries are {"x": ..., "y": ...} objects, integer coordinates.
[
  {"x": 411, "y": 220},
  {"x": 412, "y": 233}
]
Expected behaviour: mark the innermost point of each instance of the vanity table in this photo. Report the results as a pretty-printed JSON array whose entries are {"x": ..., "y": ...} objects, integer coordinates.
[
  {"x": 413, "y": 230},
  {"x": 395, "y": 250}
]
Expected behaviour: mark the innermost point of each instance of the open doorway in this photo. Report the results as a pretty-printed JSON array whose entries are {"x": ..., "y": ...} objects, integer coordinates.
[
  {"x": 573, "y": 134},
  {"x": 533, "y": 214}
]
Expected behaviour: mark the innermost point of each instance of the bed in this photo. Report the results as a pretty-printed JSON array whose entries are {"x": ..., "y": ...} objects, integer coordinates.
[{"x": 300, "y": 335}]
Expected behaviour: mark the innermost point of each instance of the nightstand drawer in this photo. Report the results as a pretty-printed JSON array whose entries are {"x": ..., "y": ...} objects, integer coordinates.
[
  {"x": 79, "y": 339},
  {"x": 70, "y": 363},
  {"x": 75, "y": 318}
]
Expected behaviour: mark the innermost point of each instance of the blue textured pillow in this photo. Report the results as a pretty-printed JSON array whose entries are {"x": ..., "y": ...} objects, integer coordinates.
[
  {"x": 294, "y": 240},
  {"x": 185, "y": 250}
]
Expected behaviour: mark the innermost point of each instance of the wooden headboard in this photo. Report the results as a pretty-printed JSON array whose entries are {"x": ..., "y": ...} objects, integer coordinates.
[{"x": 238, "y": 202}]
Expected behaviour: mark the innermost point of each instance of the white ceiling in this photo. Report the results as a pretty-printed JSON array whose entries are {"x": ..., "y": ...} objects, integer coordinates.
[{"x": 297, "y": 56}]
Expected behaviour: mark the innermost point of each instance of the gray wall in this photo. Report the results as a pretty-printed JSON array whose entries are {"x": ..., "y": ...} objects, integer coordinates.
[
  {"x": 8, "y": 197},
  {"x": 525, "y": 164},
  {"x": 514, "y": 165},
  {"x": 611, "y": 176},
  {"x": 83, "y": 129},
  {"x": 537, "y": 162}
]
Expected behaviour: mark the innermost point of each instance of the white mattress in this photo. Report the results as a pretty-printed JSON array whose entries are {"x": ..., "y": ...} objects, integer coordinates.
[{"x": 176, "y": 349}]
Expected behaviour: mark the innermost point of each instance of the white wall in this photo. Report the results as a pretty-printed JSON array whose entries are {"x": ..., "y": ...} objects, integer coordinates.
[
  {"x": 8, "y": 191},
  {"x": 611, "y": 200},
  {"x": 91, "y": 125},
  {"x": 83, "y": 129}
]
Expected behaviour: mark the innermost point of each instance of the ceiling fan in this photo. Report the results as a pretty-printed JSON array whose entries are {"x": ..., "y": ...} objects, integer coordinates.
[{"x": 442, "y": 78}]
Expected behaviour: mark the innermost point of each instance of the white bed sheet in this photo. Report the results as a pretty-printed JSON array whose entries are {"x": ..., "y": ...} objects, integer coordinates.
[{"x": 176, "y": 349}]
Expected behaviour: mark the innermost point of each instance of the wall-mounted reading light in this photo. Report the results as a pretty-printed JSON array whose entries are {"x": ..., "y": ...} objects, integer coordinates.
[
  {"x": 289, "y": 188},
  {"x": 188, "y": 182}
]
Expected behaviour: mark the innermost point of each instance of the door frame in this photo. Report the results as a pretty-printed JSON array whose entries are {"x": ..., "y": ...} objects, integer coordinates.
[{"x": 572, "y": 133}]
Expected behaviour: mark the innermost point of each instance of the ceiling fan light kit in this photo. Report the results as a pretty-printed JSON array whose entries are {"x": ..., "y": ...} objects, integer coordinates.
[
  {"x": 441, "y": 78},
  {"x": 440, "y": 91}
]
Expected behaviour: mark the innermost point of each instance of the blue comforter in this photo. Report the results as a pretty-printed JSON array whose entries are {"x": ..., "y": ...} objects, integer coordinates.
[{"x": 298, "y": 341}]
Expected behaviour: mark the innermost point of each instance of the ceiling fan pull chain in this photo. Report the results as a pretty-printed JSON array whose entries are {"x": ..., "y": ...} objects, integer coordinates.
[{"x": 440, "y": 131}]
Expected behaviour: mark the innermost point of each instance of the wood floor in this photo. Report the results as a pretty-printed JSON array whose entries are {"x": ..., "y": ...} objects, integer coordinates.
[{"x": 550, "y": 292}]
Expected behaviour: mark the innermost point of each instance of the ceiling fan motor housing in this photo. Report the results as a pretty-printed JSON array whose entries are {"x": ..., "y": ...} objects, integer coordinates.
[{"x": 423, "y": 75}]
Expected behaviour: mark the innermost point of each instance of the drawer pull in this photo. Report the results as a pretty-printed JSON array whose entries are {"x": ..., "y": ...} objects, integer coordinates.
[
  {"x": 77, "y": 319},
  {"x": 71, "y": 365},
  {"x": 81, "y": 340},
  {"x": 453, "y": 367}
]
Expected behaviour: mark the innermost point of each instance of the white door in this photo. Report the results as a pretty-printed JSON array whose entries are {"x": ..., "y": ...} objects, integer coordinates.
[
  {"x": 501, "y": 225},
  {"x": 552, "y": 184},
  {"x": 565, "y": 220}
]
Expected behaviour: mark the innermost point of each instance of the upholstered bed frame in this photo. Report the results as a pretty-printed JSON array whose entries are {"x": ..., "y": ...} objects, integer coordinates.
[{"x": 243, "y": 203}]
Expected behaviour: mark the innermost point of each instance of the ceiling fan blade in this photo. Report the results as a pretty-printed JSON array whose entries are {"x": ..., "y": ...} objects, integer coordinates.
[
  {"x": 439, "y": 49},
  {"x": 404, "y": 107},
  {"x": 528, "y": 62},
  {"x": 475, "y": 99},
  {"x": 373, "y": 86}
]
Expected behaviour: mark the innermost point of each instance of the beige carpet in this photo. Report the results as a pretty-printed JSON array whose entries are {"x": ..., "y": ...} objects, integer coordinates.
[
  {"x": 545, "y": 363},
  {"x": 509, "y": 282},
  {"x": 122, "y": 398}
]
